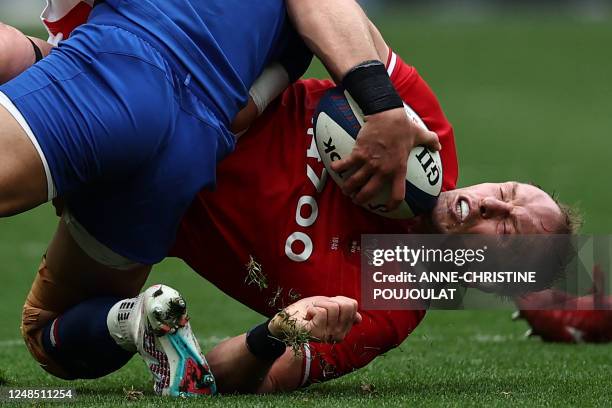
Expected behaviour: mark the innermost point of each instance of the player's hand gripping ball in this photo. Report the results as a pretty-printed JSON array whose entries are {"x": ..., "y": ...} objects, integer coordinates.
[{"x": 337, "y": 122}]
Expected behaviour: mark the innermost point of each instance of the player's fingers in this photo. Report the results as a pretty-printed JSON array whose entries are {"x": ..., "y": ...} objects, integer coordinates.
[
  {"x": 398, "y": 189},
  {"x": 347, "y": 317},
  {"x": 310, "y": 313},
  {"x": 429, "y": 139},
  {"x": 370, "y": 189},
  {"x": 345, "y": 320},
  {"x": 357, "y": 180},
  {"x": 355, "y": 160},
  {"x": 317, "y": 326},
  {"x": 345, "y": 299},
  {"x": 303, "y": 306},
  {"x": 333, "y": 311},
  {"x": 358, "y": 318},
  {"x": 333, "y": 329}
]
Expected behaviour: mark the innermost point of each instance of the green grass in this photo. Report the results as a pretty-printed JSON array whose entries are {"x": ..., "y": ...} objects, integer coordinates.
[{"x": 530, "y": 100}]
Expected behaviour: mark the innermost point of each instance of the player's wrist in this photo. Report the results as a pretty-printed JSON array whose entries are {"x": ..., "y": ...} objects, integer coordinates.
[
  {"x": 265, "y": 343},
  {"x": 370, "y": 86}
]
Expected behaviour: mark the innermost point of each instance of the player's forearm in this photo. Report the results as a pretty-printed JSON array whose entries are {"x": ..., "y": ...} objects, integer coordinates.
[
  {"x": 16, "y": 52},
  {"x": 237, "y": 370},
  {"x": 245, "y": 118},
  {"x": 243, "y": 364},
  {"x": 379, "y": 42},
  {"x": 337, "y": 31}
]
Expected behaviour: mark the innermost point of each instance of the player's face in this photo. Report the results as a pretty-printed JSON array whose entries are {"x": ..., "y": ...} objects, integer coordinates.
[{"x": 496, "y": 208}]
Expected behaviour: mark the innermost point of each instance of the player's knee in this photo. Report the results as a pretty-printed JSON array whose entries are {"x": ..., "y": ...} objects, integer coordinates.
[
  {"x": 5, "y": 51},
  {"x": 33, "y": 322},
  {"x": 13, "y": 55},
  {"x": 36, "y": 315}
]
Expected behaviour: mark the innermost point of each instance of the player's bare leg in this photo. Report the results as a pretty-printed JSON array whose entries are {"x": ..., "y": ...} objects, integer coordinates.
[
  {"x": 66, "y": 278},
  {"x": 17, "y": 52},
  {"x": 23, "y": 182}
]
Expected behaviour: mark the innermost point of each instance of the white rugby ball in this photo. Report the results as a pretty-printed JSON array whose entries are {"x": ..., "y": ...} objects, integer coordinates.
[{"x": 337, "y": 122}]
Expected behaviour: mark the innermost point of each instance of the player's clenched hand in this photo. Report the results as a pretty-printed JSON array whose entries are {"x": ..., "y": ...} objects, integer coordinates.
[
  {"x": 326, "y": 319},
  {"x": 380, "y": 156}
]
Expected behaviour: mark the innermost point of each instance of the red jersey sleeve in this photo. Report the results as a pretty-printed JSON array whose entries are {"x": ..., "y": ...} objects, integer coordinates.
[
  {"x": 64, "y": 16},
  {"x": 379, "y": 332},
  {"x": 558, "y": 316}
]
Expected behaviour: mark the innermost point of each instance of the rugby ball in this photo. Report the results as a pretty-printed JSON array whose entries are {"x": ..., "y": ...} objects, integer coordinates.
[{"x": 337, "y": 122}]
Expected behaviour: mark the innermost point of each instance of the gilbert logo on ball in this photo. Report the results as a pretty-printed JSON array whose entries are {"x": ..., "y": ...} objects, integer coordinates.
[{"x": 337, "y": 122}]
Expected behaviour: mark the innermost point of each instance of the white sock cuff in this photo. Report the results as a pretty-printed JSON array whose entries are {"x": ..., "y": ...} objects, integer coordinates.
[
  {"x": 270, "y": 84},
  {"x": 120, "y": 322}
]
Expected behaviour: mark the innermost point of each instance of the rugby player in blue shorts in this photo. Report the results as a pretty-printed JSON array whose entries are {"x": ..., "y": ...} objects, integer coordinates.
[
  {"x": 126, "y": 120},
  {"x": 217, "y": 235}
]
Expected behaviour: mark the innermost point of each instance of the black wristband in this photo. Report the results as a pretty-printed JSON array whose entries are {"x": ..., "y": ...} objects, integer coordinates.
[
  {"x": 372, "y": 89},
  {"x": 37, "y": 52},
  {"x": 262, "y": 344}
]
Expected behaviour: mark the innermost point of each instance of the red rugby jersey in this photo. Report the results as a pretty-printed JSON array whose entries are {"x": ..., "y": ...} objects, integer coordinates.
[
  {"x": 61, "y": 17},
  {"x": 275, "y": 203}
]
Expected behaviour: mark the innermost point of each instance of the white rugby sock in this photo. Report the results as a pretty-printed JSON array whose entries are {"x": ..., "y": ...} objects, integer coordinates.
[{"x": 123, "y": 321}]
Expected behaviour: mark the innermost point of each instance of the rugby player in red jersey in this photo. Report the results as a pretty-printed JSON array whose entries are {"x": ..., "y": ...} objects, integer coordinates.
[
  {"x": 285, "y": 216},
  {"x": 289, "y": 217},
  {"x": 171, "y": 35},
  {"x": 557, "y": 316}
]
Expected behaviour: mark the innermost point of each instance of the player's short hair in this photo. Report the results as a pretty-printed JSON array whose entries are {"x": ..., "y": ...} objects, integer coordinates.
[
  {"x": 572, "y": 219},
  {"x": 564, "y": 251},
  {"x": 571, "y": 222}
]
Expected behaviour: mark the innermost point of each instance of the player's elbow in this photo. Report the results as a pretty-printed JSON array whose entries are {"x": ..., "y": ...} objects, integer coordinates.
[
  {"x": 284, "y": 375},
  {"x": 274, "y": 383}
]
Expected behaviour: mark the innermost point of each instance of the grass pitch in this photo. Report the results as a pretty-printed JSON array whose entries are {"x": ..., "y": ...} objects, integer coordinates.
[{"x": 530, "y": 100}]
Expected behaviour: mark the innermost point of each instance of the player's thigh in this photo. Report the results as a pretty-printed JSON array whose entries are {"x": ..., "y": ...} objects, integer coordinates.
[
  {"x": 139, "y": 217},
  {"x": 23, "y": 183},
  {"x": 75, "y": 271},
  {"x": 67, "y": 276}
]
